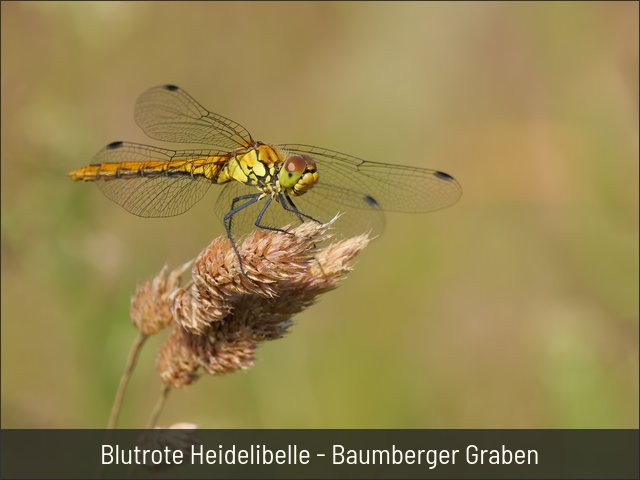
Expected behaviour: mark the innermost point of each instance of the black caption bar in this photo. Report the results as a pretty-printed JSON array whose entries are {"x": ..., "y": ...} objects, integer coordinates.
[{"x": 375, "y": 454}]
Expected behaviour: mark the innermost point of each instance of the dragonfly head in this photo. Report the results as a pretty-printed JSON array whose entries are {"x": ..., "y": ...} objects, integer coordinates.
[{"x": 298, "y": 174}]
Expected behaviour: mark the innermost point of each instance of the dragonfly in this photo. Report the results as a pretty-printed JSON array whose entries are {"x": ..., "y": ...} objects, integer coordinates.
[{"x": 263, "y": 185}]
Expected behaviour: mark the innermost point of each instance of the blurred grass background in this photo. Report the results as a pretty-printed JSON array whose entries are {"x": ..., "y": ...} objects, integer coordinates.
[{"x": 516, "y": 308}]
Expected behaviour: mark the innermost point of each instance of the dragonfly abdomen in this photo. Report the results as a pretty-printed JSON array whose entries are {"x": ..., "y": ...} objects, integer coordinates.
[{"x": 208, "y": 167}]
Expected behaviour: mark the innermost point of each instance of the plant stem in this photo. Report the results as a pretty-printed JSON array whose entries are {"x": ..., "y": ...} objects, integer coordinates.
[
  {"x": 124, "y": 380},
  {"x": 153, "y": 419}
]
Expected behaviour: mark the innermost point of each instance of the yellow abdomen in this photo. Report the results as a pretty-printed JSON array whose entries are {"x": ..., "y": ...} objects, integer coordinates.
[{"x": 209, "y": 167}]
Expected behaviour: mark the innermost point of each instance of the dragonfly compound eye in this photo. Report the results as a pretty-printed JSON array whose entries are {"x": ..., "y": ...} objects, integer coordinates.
[{"x": 298, "y": 174}]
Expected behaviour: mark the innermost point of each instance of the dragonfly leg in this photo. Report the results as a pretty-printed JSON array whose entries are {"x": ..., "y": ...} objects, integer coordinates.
[
  {"x": 252, "y": 196},
  {"x": 261, "y": 214},
  {"x": 228, "y": 218},
  {"x": 293, "y": 209},
  {"x": 301, "y": 216},
  {"x": 288, "y": 209}
]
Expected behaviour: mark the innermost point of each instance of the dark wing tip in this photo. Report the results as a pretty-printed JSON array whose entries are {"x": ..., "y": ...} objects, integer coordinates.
[
  {"x": 114, "y": 145},
  {"x": 170, "y": 87},
  {"x": 443, "y": 176},
  {"x": 372, "y": 202}
]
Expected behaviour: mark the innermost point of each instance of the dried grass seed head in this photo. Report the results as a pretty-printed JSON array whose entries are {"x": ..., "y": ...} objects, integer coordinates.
[
  {"x": 150, "y": 309},
  {"x": 222, "y": 316}
]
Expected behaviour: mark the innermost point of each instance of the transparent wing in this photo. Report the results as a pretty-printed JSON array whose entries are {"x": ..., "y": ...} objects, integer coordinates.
[
  {"x": 170, "y": 114},
  {"x": 356, "y": 216},
  {"x": 360, "y": 184},
  {"x": 159, "y": 196},
  {"x": 321, "y": 203},
  {"x": 156, "y": 193}
]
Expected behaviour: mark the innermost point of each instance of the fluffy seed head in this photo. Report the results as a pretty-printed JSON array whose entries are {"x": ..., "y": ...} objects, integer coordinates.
[{"x": 222, "y": 316}]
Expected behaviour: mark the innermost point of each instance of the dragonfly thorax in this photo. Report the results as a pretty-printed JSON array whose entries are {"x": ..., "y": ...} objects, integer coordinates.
[{"x": 298, "y": 174}]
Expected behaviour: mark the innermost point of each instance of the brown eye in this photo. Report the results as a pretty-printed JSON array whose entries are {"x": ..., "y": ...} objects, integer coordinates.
[
  {"x": 295, "y": 164},
  {"x": 310, "y": 163}
]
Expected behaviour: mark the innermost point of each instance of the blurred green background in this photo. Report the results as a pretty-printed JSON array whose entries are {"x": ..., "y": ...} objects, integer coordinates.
[{"x": 518, "y": 307}]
